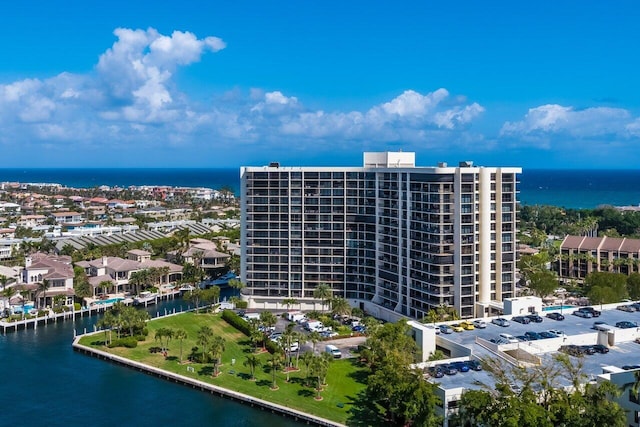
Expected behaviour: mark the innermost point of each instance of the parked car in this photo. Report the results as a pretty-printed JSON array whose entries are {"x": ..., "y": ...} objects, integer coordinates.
[
  {"x": 435, "y": 372},
  {"x": 474, "y": 365},
  {"x": 625, "y": 324},
  {"x": 508, "y": 337},
  {"x": 532, "y": 336},
  {"x": 522, "y": 338},
  {"x": 602, "y": 349},
  {"x": 500, "y": 322},
  {"x": 629, "y": 367},
  {"x": 467, "y": 325},
  {"x": 547, "y": 334},
  {"x": 449, "y": 369},
  {"x": 583, "y": 314},
  {"x": 446, "y": 329},
  {"x": 597, "y": 324},
  {"x": 359, "y": 328},
  {"x": 573, "y": 350},
  {"x": 480, "y": 324},
  {"x": 591, "y": 310},
  {"x": 635, "y": 305},
  {"x": 626, "y": 308},
  {"x": 521, "y": 319},
  {"x": 535, "y": 318},
  {"x": 555, "y": 316},
  {"x": 461, "y": 366},
  {"x": 557, "y": 333},
  {"x": 587, "y": 349},
  {"x": 457, "y": 328}
]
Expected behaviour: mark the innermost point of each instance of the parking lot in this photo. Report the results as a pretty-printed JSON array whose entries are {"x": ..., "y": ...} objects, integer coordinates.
[{"x": 572, "y": 325}]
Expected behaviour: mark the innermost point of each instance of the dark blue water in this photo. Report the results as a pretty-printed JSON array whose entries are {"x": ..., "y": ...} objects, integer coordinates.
[
  {"x": 579, "y": 189},
  {"x": 87, "y": 178},
  {"x": 44, "y": 382}
]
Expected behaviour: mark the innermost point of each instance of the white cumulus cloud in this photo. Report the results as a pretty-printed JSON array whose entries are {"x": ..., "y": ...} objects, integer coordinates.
[{"x": 583, "y": 123}]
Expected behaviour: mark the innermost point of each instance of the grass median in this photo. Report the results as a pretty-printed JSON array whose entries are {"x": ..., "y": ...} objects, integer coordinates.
[{"x": 345, "y": 378}]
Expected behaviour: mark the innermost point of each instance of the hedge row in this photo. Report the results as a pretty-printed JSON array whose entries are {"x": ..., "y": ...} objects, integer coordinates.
[
  {"x": 236, "y": 321},
  {"x": 128, "y": 342},
  {"x": 243, "y": 326}
]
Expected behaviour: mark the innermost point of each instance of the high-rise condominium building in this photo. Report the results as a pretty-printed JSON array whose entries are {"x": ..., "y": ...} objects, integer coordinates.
[{"x": 388, "y": 234}]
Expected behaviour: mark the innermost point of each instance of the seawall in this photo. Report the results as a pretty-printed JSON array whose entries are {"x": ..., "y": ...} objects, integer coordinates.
[{"x": 210, "y": 388}]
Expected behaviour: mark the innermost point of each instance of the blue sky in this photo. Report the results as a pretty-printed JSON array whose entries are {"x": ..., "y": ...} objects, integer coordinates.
[{"x": 223, "y": 84}]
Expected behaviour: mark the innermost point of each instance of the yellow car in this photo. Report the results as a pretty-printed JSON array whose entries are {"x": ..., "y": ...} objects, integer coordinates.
[
  {"x": 467, "y": 325},
  {"x": 457, "y": 328}
]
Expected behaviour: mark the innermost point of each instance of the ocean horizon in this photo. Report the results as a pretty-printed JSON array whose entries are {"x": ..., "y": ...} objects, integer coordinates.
[{"x": 569, "y": 188}]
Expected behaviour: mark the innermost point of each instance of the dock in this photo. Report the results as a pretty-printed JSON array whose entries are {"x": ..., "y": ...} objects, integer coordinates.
[{"x": 51, "y": 317}]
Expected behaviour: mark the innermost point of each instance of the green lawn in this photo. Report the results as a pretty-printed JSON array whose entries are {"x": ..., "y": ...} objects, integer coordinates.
[{"x": 345, "y": 378}]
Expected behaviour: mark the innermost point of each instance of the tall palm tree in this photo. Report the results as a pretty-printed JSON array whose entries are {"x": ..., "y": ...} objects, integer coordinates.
[
  {"x": 43, "y": 287},
  {"x": 205, "y": 336},
  {"x": 105, "y": 285},
  {"x": 275, "y": 361},
  {"x": 252, "y": 361},
  {"x": 307, "y": 359},
  {"x": 323, "y": 292},
  {"x": 8, "y": 293},
  {"x": 268, "y": 320},
  {"x": 180, "y": 335},
  {"x": 217, "y": 348},
  {"x": 340, "y": 307},
  {"x": 24, "y": 293},
  {"x": 315, "y": 337}
]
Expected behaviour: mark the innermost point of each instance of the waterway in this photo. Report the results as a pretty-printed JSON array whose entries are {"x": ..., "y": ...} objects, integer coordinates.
[{"x": 43, "y": 381}]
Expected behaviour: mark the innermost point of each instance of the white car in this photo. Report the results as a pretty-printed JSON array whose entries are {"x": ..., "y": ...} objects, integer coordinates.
[
  {"x": 480, "y": 324},
  {"x": 509, "y": 338},
  {"x": 557, "y": 333}
]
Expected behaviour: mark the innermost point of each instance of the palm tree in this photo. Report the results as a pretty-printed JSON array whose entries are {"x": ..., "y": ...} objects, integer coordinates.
[
  {"x": 340, "y": 307},
  {"x": 268, "y": 320},
  {"x": 432, "y": 316},
  {"x": 138, "y": 280},
  {"x": 275, "y": 361},
  {"x": 205, "y": 336},
  {"x": 252, "y": 362},
  {"x": 43, "y": 287},
  {"x": 217, "y": 348},
  {"x": 24, "y": 293},
  {"x": 180, "y": 335},
  {"x": 315, "y": 337},
  {"x": 319, "y": 367},
  {"x": 8, "y": 293},
  {"x": 104, "y": 285},
  {"x": 237, "y": 285},
  {"x": 307, "y": 359},
  {"x": 323, "y": 292}
]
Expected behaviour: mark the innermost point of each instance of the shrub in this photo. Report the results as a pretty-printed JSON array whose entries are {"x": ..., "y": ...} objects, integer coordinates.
[
  {"x": 242, "y": 304},
  {"x": 236, "y": 321},
  {"x": 77, "y": 306},
  {"x": 128, "y": 342}
]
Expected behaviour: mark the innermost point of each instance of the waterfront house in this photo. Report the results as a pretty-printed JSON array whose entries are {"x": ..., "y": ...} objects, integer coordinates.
[{"x": 58, "y": 273}]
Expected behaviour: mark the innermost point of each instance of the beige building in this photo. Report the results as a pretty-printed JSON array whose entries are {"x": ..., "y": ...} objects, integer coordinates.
[{"x": 391, "y": 234}]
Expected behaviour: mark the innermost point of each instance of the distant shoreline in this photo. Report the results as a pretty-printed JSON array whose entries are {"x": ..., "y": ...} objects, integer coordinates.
[{"x": 569, "y": 188}]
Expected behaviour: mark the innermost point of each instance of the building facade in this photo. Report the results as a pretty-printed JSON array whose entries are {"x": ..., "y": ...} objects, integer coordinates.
[
  {"x": 581, "y": 255},
  {"x": 389, "y": 233}
]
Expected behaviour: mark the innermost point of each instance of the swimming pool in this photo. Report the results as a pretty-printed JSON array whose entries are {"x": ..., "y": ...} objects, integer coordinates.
[
  {"x": 17, "y": 309},
  {"x": 558, "y": 307},
  {"x": 109, "y": 301}
]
